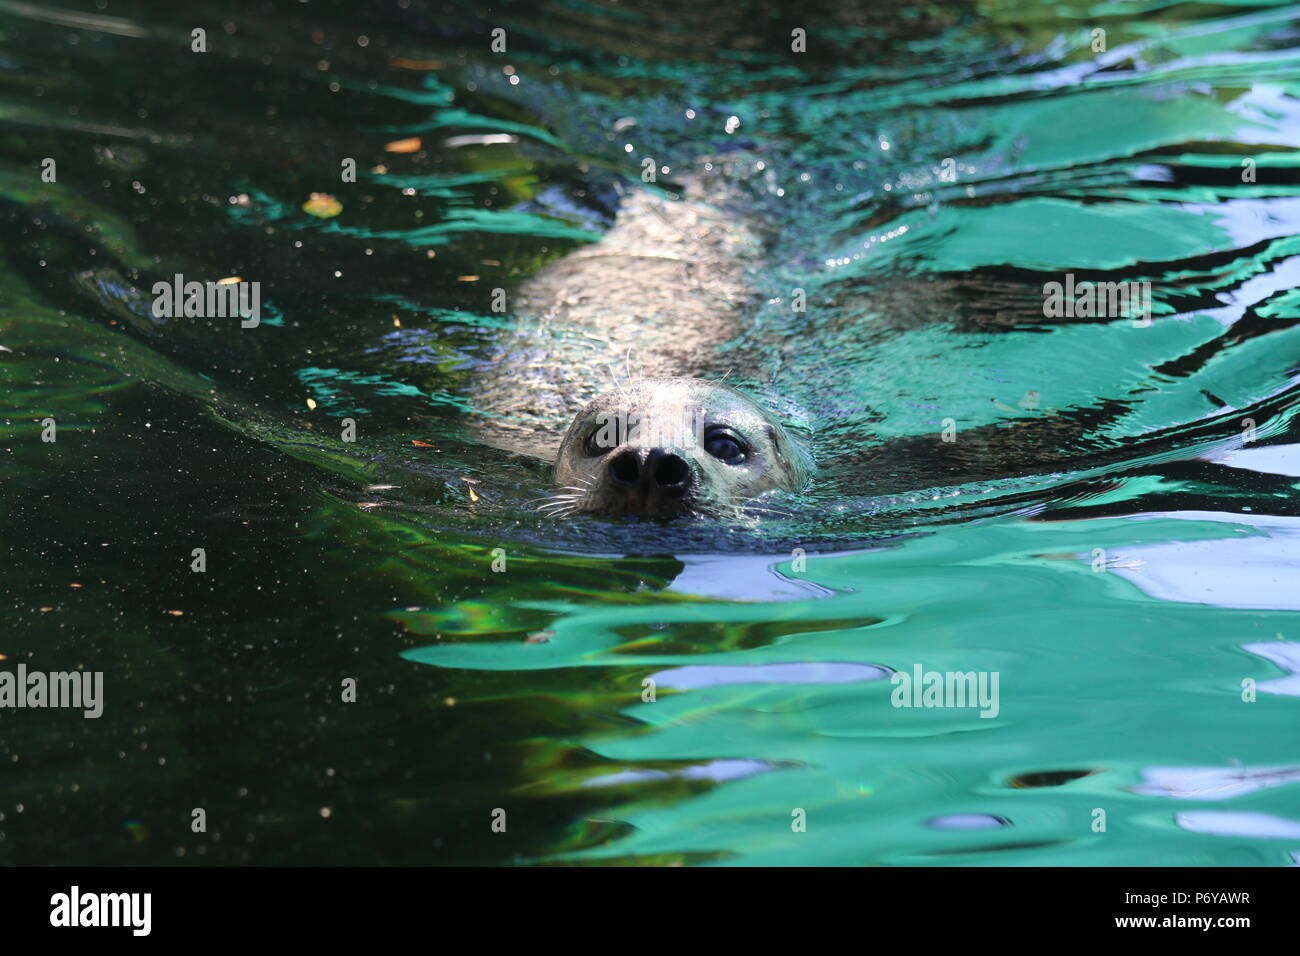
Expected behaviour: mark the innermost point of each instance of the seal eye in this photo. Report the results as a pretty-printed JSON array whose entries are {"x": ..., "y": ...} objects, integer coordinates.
[
  {"x": 725, "y": 447},
  {"x": 595, "y": 443}
]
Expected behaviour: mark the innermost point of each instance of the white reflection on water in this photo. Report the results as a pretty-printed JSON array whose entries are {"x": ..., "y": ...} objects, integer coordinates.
[
  {"x": 717, "y": 771},
  {"x": 732, "y": 577},
  {"x": 1269, "y": 460},
  {"x": 811, "y": 672},
  {"x": 1236, "y": 823},
  {"x": 1259, "y": 571},
  {"x": 1212, "y": 783},
  {"x": 1286, "y": 655}
]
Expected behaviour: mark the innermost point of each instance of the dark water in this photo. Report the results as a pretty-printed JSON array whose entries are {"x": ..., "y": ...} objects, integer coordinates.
[{"x": 1112, "y": 530}]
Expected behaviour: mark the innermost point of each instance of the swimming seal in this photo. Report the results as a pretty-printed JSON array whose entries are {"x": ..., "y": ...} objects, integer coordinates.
[{"x": 667, "y": 282}]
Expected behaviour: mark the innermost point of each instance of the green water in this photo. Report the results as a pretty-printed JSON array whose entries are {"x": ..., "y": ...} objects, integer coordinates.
[{"x": 1113, "y": 531}]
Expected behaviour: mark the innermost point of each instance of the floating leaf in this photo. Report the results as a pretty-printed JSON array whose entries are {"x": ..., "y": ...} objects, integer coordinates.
[
  {"x": 322, "y": 206},
  {"x": 403, "y": 63}
]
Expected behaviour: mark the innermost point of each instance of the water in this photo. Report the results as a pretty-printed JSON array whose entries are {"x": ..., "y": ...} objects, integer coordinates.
[{"x": 1112, "y": 533}]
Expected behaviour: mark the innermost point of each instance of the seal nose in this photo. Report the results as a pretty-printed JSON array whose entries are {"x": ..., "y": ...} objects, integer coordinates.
[
  {"x": 666, "y": 469},
  {"x": 625, "y": 468},
  {"x": 653, "y": 470}
]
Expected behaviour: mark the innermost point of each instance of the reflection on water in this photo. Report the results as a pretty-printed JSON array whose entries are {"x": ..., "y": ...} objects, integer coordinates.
[
  {"x": 1213, "y": 783},
  {"x": 1227, "y": 823},
  {"x": 1286, "y": 655},
  {"x": 691, "y": 677},
  {"x": 1101, "y": 511},
  {"x": 1255, "y": 564}
]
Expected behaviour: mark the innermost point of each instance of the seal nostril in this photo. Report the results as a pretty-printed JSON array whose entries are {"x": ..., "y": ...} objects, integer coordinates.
[
  {"x": 671, "y": 471},
  {"x": 625, "y": 469}
]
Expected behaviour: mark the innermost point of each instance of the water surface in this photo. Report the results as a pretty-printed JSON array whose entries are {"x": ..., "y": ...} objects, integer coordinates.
[{"x": 1114, "y": 530}]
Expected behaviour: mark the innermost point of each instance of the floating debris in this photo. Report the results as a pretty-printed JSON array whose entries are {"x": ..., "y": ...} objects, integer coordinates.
[
  {"x": 322, "y": 206},
  {"x": 402, "y": 63}
]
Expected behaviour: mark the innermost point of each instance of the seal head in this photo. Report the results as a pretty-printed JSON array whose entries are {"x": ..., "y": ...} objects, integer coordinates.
[{"x": 664, "y": 447}]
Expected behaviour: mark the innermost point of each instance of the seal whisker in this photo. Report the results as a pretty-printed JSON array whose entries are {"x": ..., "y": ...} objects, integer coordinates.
[
  {"x": 743, "y": 504},
  {"x": 766, "y": 511},
  {"x": 563, "y": 512},
  {"x": 538, "y": 498},
  {"x": 579, "y": 493},
  {"x": 614, "y": 375},
  {"x": 558, "y": 502},
  {"x": 575, "y": 493}
]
